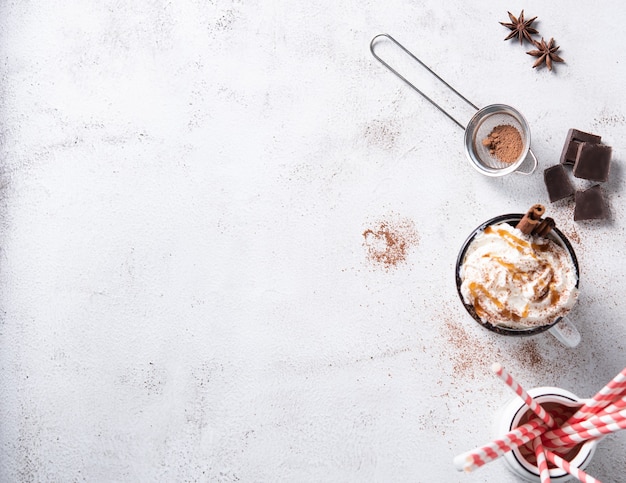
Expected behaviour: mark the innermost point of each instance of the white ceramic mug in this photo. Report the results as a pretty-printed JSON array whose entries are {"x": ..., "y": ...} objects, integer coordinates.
[{"x": 509, "y": 418}]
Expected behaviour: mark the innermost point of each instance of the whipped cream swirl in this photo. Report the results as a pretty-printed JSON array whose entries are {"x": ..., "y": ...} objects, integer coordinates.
[{"x": 517, "y": 281}]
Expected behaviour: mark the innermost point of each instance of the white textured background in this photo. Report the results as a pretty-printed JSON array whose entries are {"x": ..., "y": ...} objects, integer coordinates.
[{"x": 184, "y": 290}]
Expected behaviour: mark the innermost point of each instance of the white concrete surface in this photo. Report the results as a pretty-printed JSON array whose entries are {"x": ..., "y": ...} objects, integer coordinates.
[{"x": 185, "y": 292}]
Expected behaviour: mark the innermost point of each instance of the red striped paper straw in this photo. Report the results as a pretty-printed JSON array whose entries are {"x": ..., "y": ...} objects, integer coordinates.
[
  {"x": 482, "y": 455},
  {"x": 591, "y": 422},
  {"x": 606, "y": 396},
  {"x": 571, "y": 469},
  {"x": 610, "y": 414},
  {"x": 542, "y": 463},
  {"x": 616, "y": 405},
  {"x": 582, "y": 431},
  {"x": 519, "y": 390}
]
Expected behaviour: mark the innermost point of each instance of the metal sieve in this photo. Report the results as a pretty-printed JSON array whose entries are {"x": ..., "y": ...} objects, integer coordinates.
[{"x": 479, "y": 126}]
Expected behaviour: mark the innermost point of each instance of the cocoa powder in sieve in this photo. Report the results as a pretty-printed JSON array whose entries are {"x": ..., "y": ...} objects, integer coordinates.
[{"x": 505, "y": 143}]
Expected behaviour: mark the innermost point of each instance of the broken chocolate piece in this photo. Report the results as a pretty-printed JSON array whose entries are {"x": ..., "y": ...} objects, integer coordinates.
[
  {"x": 558, "y": 183},
  {"x": 593, "y": 161},
  {"x": 573, "y": 140},
  {"x": 590, "y": 205},
  {"x": 572, "y": 151}
]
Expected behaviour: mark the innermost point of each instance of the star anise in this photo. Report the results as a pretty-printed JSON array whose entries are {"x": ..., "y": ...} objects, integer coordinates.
[
  {"x": 520, "y": 27},
  {"x": 545, "y": 52}
]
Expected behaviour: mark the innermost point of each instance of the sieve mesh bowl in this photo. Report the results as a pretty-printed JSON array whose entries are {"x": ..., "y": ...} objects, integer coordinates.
[{"x": 481, "y": 125}]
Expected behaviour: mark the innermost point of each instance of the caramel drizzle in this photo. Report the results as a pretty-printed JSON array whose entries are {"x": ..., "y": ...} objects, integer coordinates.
[
  {"x": 475, "y": 288},
  {"x": 521, "y": 246},
  {"x": 555, "y": 296}
]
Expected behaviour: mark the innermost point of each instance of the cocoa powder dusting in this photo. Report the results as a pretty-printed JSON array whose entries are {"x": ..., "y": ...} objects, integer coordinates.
[
  {"x": 505, "y": 143},
  {"x": 529, "y": 355},
  {"x": 469, "y": 355},
  {"x": 573, "y": 236},
  {"x": 388, "y": 243}
]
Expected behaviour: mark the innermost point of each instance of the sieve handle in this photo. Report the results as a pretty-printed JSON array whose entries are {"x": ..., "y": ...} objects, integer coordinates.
[
  {"x": 400, "y": 76},
  {"x": 532, "y": 155}
]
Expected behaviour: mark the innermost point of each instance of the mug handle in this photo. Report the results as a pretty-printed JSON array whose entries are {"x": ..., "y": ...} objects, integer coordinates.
[
  {"x": 530, "y": 152},
  {"x": 565, "y": 332}
]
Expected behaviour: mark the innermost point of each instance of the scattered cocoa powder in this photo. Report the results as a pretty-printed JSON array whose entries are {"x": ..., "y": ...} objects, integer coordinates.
[
  {"x": 388, "y": 243},
  {"x": 529, "y": 355},
  {"x": 573, "y": 236},
  {"x": 381, "y": 133},
  {"x": 469, "y": 355},
  {"x": 505, "y": 143}
]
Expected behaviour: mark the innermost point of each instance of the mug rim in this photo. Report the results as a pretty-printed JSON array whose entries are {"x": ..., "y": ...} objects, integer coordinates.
[{"x": 470, "y": 308}]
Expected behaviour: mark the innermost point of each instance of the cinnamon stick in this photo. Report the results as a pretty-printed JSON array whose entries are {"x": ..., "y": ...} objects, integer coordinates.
[
  {"x": 537, "y": 211},
  {"x": 530, "y": 221},
  {"x": 544, "y": 227}
]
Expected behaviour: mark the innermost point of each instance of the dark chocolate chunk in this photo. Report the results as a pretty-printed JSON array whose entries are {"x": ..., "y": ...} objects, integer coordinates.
[
  {"x": 572, "y": 151},
  {"x": 558, "y": 183},
  {"x": 593, "y": 161},
  {"x": 574, "y": 138},
  {"x": 590, "y": 205}
]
